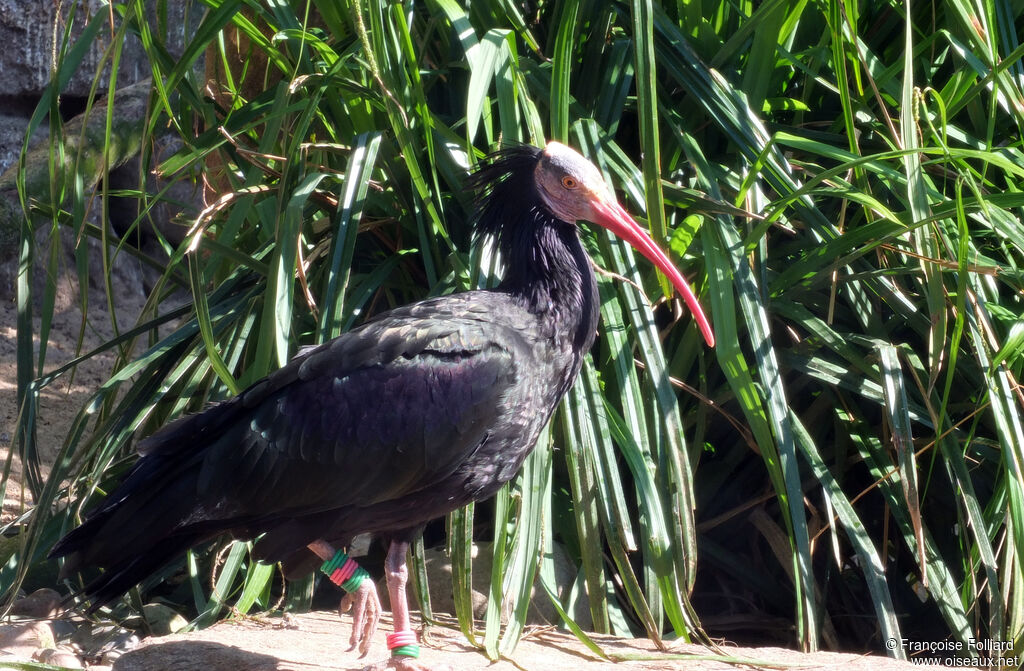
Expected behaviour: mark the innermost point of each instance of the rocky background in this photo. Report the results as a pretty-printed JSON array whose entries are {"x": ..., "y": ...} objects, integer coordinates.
[{"x": 31, "y": 32}]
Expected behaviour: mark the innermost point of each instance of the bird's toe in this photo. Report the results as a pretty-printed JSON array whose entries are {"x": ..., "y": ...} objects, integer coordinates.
[
  {"x": 366, "y": 610},
  {"x": 400, "y": 663}
]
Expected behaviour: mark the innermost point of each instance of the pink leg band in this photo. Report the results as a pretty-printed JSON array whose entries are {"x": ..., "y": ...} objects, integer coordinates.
[
  {"x": 342, "y": 574},
  {"x": 344, "y": 571},
  {"x": 401, "y": 638}
]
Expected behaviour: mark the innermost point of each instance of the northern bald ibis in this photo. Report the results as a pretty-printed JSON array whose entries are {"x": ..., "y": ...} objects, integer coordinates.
[{"x": 405, "y": 418}]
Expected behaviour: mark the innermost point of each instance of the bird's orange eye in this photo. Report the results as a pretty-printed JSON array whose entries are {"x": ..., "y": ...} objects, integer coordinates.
[{"x": 569, "y": 182}]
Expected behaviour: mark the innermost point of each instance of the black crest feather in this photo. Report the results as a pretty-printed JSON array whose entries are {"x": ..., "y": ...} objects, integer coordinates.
[{"x": 501, "y": 184}]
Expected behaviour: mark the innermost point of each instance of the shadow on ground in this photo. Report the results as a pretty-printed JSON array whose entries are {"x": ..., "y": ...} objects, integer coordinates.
[{"x": 319, "y": 641}]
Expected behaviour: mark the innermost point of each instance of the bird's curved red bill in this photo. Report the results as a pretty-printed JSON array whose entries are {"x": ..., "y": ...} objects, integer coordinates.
[{"x": 615, "y": 219}]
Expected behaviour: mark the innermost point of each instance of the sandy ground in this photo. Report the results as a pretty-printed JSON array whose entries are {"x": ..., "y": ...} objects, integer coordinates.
[{"x": 319, "y": 641}]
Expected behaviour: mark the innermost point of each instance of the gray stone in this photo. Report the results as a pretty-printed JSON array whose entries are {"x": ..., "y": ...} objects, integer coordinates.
[
  {"x": 117, "y": 646},
  {"x": 12, "y": 136},
  {"x": 58, "y": 657},
  {"x": 109, "y": 657},
  {"x": 189, "y": 655},
  {"x": 126, "y": 271},
  {"x": 163, "y": 620},
  {"x": 40, "y": 603},
  {"x": 172, "y": 215},
  {"x": 96, "y": 639},
  {"x": 64, "y": 629},
  {"x": 28, "y": 29},
  {"x": 21, "y": 639}
]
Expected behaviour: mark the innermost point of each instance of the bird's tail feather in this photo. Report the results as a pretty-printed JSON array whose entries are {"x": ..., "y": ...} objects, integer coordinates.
[
  {"x": 148, "y": 521},
  {"x": 133, "y": 569}
]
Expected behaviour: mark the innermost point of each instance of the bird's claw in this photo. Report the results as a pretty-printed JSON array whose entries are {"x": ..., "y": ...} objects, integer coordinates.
[
  {"x": 400, "y": 663},
  {"x": 366, "y": 609}
]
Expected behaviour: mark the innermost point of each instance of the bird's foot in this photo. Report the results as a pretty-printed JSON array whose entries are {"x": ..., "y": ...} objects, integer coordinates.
[
  {"x": 366, "y": 609},
  {"x": 401, "y": 663}
]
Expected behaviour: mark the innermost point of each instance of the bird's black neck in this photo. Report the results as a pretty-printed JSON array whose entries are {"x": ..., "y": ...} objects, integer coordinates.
[{"x": 546, "y": 267}]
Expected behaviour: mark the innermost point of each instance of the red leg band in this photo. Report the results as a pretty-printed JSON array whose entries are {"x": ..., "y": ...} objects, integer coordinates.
[{"x": 401, "y": 638}]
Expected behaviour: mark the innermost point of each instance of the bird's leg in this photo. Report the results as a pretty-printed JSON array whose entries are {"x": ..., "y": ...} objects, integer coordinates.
[
  {"x": 398, "y": 576},
  {"x": 403, "y": 643},
  {"x": 361, "y": 595}
]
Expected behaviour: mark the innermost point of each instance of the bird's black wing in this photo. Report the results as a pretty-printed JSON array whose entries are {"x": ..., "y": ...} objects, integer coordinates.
[{"x": 371, "y": 416}]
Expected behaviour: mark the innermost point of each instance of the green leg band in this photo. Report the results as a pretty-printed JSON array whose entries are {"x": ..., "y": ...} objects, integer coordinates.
[{"x": 411, "y": 650}]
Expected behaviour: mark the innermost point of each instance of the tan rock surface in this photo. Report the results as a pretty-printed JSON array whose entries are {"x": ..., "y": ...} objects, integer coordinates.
[{"x": 319, "y": 641}]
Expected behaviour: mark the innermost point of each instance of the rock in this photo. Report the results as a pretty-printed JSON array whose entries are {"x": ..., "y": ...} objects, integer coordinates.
[
  {"x": 28, "y": 29},
  {"x": 87, "y": 156},
  {"x": 58, "y": 657},
  {"x": 171, "y": 216},
  {"x": 126, "y": 271},
  {"x": 92, "y": 636},
  {"x": 41, "y": 603},
  {"x": 189, "y": 655},
  {"x": 64, "y": 628},
  {"x": 116, "y": 647},
  {"x": 12, "y": 136},
  {"x": 110, "y": 657},
  {"x": 163, "y": 620},
  {"x": 439, "y": 577},
  {"x": 121, "y": 643},
  {"x": 97, "y": 640},
  {"x": 21, "y": 639}
]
